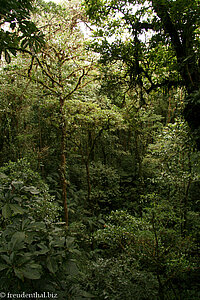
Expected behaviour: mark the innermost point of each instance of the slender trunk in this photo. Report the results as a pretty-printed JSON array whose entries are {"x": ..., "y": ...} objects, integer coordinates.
[
  {"x": 88, "y": 179},
  {"x": 91, "y": 144},
  {"x": 176, "y": 297},
  {"x": 63, "y": 161},
  {"x": 185, "y": 208},
  {"x": 169, "y": 110},
  {"x": 63, "y": 145},
  {"x": 104, "y": 154},
  {"x": 40, "y": 164}
]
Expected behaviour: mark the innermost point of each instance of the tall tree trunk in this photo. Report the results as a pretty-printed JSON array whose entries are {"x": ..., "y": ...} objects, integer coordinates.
[
  {"x": 63, "y": 161},
  {"x": 88, "y": 179}
]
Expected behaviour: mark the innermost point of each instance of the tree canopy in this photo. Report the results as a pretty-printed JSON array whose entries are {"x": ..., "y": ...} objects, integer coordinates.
[
  {"x": 17, "y": 30},
  {"x": 170, "y": 25}
]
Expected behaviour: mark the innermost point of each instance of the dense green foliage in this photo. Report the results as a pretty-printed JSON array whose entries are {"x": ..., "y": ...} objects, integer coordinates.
[
  {"x": 99, "y": 171},
  {"x": 157, "y": 41},
  {"x": 17, "y": 30}
]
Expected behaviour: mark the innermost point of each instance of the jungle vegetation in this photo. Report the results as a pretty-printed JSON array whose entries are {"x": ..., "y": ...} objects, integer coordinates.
[{"x": 99, "y": 149}]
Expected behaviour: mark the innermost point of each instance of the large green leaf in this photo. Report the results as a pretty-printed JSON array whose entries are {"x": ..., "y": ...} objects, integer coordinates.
[
  {"x": 36, "y": 226},
  {"x": 6, "y": 258},
  {"x": 52, "y": 264},
  {"x": 26, "y": 258},
  {"x": 16, "y": 209},
  {"x": 71, "y": 268},
  {"x": 17, "y": 241},
  {"x": 31, "y": 271},
  {"x": 19, "y": 273},
  {"x": 69, "y": 241},
  {"x": 3, "y": 267},
  {"x": 25, "y": 224},
  {"x": 44, "y": 249},
  {"x": 6, "y": 211}
]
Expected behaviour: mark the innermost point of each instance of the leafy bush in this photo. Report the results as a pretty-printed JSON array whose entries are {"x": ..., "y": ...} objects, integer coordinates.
[
  {"x": 119, "y": 278},
  {"x": 105, "y": 182},
  {"x": 36, "y": 254},
  {"x": 153, "y": 246},
  {"x": 23, "y": 192}
]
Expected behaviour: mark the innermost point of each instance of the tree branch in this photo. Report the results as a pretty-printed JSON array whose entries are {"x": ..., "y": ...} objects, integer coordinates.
[
  {"x": 169, "y": 27},
  {"x": 77, "y": 85}
]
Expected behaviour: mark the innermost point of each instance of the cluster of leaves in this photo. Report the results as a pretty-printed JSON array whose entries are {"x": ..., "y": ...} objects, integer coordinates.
[
  {"x": 36, "y": 254},
  {"x": 174, "y": 152},
  {"x": 17, "y": 28},
  {"x": 153, "y": 246}
]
